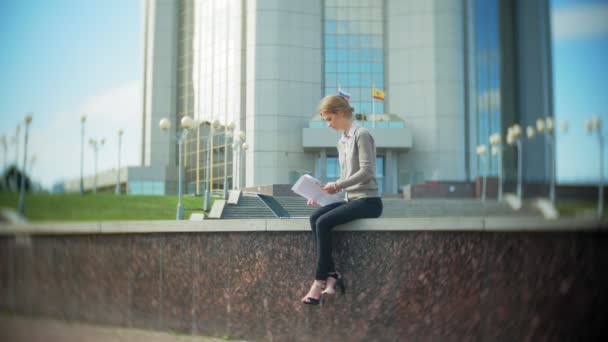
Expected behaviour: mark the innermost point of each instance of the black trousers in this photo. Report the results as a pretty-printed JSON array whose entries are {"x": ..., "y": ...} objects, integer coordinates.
[{"x": 324, "y": 219}]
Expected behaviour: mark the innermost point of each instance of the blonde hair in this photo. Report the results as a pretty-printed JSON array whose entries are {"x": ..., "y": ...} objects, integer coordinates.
[{"x": 333, "y": 103}]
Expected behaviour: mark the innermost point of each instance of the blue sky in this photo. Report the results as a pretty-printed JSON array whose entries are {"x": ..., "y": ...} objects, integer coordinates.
[
  {"x": 63, "y": 58},
  {"x": 580, "y": 52}
]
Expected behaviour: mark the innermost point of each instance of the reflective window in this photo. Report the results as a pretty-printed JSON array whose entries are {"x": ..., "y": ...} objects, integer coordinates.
[
  {"x": 330, "y": 41},
  {"x": 330, "y": 67},
  {"x": 484, "y": 77},
  {"x": 354, "y": 48}
]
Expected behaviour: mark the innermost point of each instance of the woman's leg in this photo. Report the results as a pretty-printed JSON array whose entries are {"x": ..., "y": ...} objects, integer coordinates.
[
  {"x": 318, "y": 285},
  {"x": 361, "y": 208},
  {"x": 315, "y": 216}
]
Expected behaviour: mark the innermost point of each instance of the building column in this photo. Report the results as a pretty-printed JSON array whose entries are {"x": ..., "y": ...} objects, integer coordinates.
[
  {"x": 323, "y": 165},
  {"x": 430, "y": 86},
  {"x": 389, "y": 173}
]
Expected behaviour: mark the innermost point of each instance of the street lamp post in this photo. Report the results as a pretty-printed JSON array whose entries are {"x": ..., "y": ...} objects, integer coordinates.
[
  {"x": 237, "y": 144},
  {"x": 595, "y": 125},
  {"x": 227, "y": 133},
  {"x": 482, "y": 150},
  {"x": 207, "y": 201},
  {"x": 186, "y": 123},
  {"x": 96, "y": 145},
  {"x": 530, "y": 133},
  {"x": 245, "y": 148},
  {"x": 32, "y": 162},
  {"x": 495, "y": 141},
  {"x": 513, "y": 137},
  {"x": 235, "y": 158},
  {"x": 28, "y": 120},
  {"x": 549, "y": 131},
  {"x": 83, "y": 119},
  {"x": 4, "y": 142},
  {"x": 547, "y": 126},
  {"x": 117, "y": 191},
  {"x": 17, "y": 134}
]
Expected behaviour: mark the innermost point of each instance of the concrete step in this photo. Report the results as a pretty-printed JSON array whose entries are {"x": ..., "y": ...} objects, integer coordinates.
[{"x": 250, "y": 206}]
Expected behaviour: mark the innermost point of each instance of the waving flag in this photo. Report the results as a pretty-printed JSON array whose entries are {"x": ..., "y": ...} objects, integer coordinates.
[
  {"x": 377, "y": 94},
  {"x": 344, "y": 94}
]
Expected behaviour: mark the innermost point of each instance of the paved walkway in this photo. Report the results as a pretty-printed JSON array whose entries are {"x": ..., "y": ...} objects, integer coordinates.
[{"x": 18, "y": 329}]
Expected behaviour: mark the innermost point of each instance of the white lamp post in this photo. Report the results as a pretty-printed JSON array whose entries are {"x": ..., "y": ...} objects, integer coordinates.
[
  {"x": 227, "y": 133},
  {"x": 83, "y": 120},
  {"x": 514, "y": 137},
  {"x": 547, "y": 126},
  {"x": 482, "y": 150},
  {"x": 235, "y": 167},
  {"x": 28, "y": 120},
  {"x": 206, "y": 198},
  {"x": 495, "y": 141},
  {"x": 551, "y": 133},
  {"x": 117, "y": 191},
  {"x": 3, "y": 141},
  {"x": 244, "y": 155},
  {"x": 32, "y": 162},
  {"x": 595, "y": 125},
  {"x": 186, "y": 123},
  {"x": 17, "y": 134},
  {"x": 530, "y": 133},
  {"x": 96, "y": 145},
  {"x": 212, "y": 127},
  {"x": 237, "y": 145}
]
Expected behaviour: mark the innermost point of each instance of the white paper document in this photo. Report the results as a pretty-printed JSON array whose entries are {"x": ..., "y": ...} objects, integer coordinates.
[{"x": 311, "y": 188}]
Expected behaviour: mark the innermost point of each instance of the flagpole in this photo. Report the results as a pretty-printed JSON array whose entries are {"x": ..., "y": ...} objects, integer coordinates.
[{"x": 373, "y": 108}]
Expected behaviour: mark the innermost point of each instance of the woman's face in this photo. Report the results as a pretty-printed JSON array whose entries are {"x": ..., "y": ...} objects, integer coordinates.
[{"x": 335, "y": 120}]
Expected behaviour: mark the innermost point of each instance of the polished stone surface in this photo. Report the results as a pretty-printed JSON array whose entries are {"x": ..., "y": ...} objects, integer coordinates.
[
  {"x": 176, "y": 283},
  {"x": 408, "y": 285}
]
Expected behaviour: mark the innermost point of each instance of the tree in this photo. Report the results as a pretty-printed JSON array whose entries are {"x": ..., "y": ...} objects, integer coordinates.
[{"x": 11, "y": 179}]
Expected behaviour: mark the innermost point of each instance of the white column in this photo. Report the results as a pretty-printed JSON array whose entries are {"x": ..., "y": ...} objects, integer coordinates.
[
  {"x": 389, "y": 173},
  {"x": 425, "y": 57}
]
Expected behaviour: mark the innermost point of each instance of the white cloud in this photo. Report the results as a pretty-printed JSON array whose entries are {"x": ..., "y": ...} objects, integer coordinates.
[
  {"x": 580, "y": 21},
  {"x": 57, "y": 146}
]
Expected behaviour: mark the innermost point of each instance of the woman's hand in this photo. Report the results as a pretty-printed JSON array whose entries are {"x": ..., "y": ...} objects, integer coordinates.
[
  {"x": 312, "y": 202},
  {"x": 331, "y": 188}
]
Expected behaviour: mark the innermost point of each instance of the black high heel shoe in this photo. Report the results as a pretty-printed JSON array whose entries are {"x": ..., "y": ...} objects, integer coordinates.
[
  {"x": 315, "y": 301},
  {"x": 339, "y": 283}
]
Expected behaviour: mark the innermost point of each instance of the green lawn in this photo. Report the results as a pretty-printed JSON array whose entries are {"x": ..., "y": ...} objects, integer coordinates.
[
  {"x": 109, "y": 207},
  {"x": 100, "y": 207},
  {"x": 582, "y": 207}
]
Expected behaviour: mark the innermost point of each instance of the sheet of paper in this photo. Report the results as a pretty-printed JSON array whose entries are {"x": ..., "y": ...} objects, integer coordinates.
[{"x": 311, "y": 188}]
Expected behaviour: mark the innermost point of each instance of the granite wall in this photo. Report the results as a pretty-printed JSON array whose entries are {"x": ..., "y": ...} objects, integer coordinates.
[{"x": 416, "y": 285}]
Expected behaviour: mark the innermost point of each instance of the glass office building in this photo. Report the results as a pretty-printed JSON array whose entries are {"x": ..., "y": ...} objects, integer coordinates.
[{"x": 453, "y": 72}]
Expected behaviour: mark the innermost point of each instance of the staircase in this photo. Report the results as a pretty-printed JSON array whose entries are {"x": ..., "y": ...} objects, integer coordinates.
[{"x": 250, "y": 206}]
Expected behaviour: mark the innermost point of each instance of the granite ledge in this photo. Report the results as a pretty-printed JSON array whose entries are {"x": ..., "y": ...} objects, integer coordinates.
[{"x": 501, "y": 224}]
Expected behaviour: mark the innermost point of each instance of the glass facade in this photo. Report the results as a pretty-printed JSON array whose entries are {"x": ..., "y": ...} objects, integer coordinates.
[
  {"x": 354, "y": 51},
  {"x": 208, "y": 71},
  {"x": 195, "y": 160},
  {"x": 146, "y": 188},
  {"x": 484, "y": 76}
]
